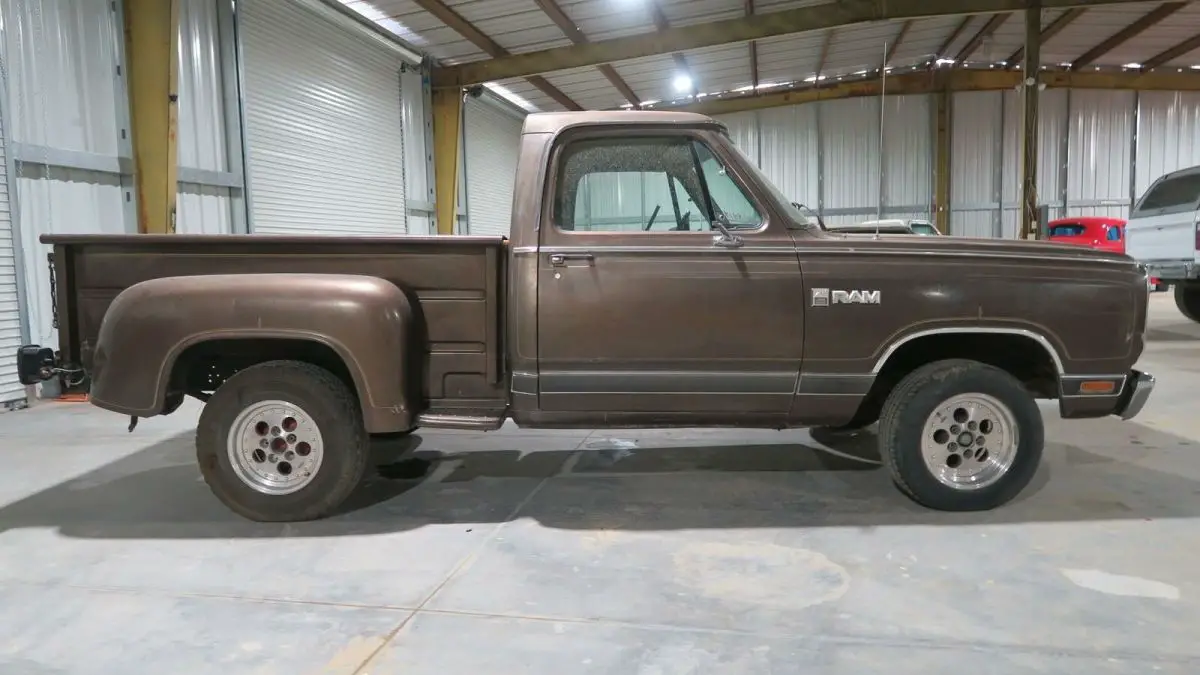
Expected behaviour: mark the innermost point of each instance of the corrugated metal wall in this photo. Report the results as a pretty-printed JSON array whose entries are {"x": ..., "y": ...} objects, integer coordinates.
[
  {"x": 68, "y": 108},
  {"x": 1168, "y": 129},
  {"x": 491, "y": 139},
  {"x": 827, "y": 154},
  {"x": 202, "y": 138}
]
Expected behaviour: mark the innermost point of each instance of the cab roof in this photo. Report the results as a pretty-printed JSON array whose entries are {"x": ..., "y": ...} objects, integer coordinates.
[{"x": 553, "y": 123}]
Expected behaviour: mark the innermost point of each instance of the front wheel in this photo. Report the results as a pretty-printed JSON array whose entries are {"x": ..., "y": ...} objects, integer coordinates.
[
  {"x": 282, "y": 441},
  {"x": 960, "y": 435},
  {"x": 1187, "y": 299}
]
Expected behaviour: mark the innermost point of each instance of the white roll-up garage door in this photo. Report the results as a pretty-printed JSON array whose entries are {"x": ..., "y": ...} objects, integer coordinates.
[
  {"x": 12, "y": 392},
  {"x": 491, "y": 139},
  {"x": 324, "y": 139}
]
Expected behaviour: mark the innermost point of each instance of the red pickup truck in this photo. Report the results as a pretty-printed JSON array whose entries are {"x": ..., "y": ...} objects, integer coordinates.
[{"x": 1104, "y": 234}]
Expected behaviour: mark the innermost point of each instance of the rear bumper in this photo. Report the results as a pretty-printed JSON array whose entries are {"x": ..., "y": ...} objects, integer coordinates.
[
  {"x": 1173, "y": 269},
  {"x": 1138, "y": 387}
]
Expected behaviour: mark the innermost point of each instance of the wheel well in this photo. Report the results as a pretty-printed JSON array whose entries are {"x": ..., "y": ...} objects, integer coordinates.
[
  {"x": 205, "y": 366},
  {"x": 1020, "y": 356}
]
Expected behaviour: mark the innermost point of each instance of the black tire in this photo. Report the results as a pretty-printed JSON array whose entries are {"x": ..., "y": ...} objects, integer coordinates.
[
  {"x": 917, "y": 396},
  {"x": 1187, "y": 299},
  {"x": 335, "y": 411}
]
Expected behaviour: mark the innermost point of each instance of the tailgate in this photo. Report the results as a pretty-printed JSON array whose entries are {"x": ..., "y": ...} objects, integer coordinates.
[{"x": 1166, "y": 237}]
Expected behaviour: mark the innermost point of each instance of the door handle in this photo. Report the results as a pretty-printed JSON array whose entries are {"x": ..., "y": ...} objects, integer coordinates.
[{"x": 560, "y": 259}]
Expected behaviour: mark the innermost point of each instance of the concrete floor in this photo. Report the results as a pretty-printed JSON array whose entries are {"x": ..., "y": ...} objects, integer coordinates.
[{"x": 647, "y": 553}]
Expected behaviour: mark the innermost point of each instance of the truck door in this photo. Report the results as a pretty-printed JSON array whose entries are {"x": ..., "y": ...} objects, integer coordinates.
[{"x": 644, "y": 304}]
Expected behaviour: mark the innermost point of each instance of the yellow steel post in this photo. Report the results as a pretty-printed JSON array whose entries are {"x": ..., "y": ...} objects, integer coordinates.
[
  {"x": 447, "y": 133},
  {"x": 152, "y": 64}
]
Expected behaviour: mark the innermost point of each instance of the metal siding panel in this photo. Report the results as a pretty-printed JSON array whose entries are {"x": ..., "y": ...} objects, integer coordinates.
[
  {"x": 972, "y": 224},
  {"x": 1052, "y": 112},
  {"x": 201, "y": 134},
  {"x": 416, "y": 154},
  {"x": 324, "y": 137},
  {"x": 12, "y": 392},
  {"x": 743, "y": 131},
  {"x": 70, "y": 201},
  {"x": 789, "y": 146},
  {"x": 908, "y": 153},
  {"x": 1099, "y": 155},
  {"x": 203, "y": 209},
  {"x": 850, "y": 144},
  {"x": 975, "y": 126},
  {"x": 62, "y": 64},
  {"x": 492, "y": 139},
  {"x": 1168, "y": 134}
]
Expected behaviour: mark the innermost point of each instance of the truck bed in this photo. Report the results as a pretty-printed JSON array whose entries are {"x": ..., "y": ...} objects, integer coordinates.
[{"x": 456, "y": 282}]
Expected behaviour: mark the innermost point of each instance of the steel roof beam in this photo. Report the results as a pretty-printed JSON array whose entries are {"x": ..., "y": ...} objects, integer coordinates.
[
  {"x": 476, "y": 37},
  {"x": 727, "y": 31}
]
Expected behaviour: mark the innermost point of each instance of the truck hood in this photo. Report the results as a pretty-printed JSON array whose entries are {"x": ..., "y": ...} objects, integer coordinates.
[{"x": 973, "y": 247}]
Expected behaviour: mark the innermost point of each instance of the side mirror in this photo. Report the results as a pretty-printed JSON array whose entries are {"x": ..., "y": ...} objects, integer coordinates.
[{"x": 727, "y": 240}]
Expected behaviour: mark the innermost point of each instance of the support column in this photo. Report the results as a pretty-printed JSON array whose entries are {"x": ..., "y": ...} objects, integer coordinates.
[
  {"x": 447, "y": 134},
  {"x": 1031, "y": 89},
  {"x": 941, "y": 170},
  {"x": 152, "y": 62}
]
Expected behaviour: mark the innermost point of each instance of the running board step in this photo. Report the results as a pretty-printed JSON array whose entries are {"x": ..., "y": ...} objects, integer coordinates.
[{"x": 468, "y": 422}]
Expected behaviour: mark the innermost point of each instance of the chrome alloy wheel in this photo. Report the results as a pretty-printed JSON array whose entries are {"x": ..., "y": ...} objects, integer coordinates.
[
  {"x": 275, "y": 447},
  {"x": 969, "y": 441}
]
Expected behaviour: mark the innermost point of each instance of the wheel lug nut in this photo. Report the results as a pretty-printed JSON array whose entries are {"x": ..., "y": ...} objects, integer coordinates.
[
  {"x": 972, "y": 426},
  {"x": 289, "y": 455},
  {"x": 272, "y": 458},
  {"x": 955, "y": 429},
  {"x": 263, "y": 443},
  {"x": 953, "y": 447},
  {"x": 275, "y": 431},
  {"x": 291, "y": 438}
]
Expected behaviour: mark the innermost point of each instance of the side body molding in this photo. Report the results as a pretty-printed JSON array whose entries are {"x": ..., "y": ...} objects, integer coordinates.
[{"x": 366, "y": 321}]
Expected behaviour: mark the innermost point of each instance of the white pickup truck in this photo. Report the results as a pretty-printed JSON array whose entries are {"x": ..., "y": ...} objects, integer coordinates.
[{"x": 1163, "y": 233}]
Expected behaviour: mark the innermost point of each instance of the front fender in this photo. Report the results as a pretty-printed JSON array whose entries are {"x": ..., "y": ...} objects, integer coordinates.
[{"x": 367, "y": 321}]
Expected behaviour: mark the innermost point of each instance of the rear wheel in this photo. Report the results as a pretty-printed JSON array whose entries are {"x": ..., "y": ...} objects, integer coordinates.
[
  {"x": 1187, "y": 299},
  {"x": 959, "y": 435},
  {"x": 282, "y": 441}
]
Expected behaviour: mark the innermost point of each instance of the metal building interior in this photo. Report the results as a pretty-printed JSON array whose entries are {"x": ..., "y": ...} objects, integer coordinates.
[{"x": 601, "y": 551}]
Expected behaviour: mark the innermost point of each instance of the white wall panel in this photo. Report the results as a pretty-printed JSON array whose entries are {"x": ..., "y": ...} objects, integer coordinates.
[
  {"x": 324, "y": 137},
  {"x": 850, "y": 143},
  {"x": 975, "y": 129},
  {"x": 70, "y": 201},
  {"x": 202, "y": 209},
  {"x": 416, "y": 127},
  {"x": 743, "y": 130},
  {"x": 1052, "y": 124},
  {"x": 64, "y": 94},
  {"x": 908, "y": 155},
  {"x": 1168, "y": 134},
  {"x": 789, "y": 145},
  {"x": 63, "y": 87},
  {"x": 1099, "y": 158},
  {"x": 201, "y": 134},
  {"x": 12, "y": 392},
  {"x": 492, "y": 138},
  {"x": 975, "y": 155}
]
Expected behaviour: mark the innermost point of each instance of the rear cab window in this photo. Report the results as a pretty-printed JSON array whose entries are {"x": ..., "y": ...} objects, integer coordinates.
[
  {"x": 1068, "y": 230},
  {"x": 1171, "y": 194}
]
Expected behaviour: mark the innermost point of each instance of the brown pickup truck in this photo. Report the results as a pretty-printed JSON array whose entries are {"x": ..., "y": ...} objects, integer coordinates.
[{"x": 654, "y": 277}]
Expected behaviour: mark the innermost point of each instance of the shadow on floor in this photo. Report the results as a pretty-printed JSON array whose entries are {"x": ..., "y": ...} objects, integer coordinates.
[{"x": 158, "y": 493}]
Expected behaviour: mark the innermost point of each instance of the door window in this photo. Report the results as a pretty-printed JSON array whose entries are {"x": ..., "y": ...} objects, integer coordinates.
[
  {"x": 654, "y": 184},
  {"x": 1114, "y": 233}
]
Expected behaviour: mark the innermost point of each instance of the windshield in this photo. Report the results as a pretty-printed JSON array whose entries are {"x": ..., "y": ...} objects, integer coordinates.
[
  {"x": 781, "y": 201},
  {"x": 923, "y": 228}
]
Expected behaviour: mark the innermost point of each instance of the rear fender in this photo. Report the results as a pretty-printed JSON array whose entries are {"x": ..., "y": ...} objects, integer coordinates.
[{"x": 366, "y": 321}]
